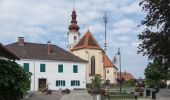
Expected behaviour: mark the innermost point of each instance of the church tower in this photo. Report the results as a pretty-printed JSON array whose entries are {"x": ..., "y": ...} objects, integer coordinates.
[{"x": 73, "y": 34}]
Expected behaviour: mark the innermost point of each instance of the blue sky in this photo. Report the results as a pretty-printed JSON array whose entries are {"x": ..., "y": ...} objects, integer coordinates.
[{"x": 48, "y": 20}]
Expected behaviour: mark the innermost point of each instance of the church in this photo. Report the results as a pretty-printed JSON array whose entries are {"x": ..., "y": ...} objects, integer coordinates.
[{"x": 88, "y": 49}]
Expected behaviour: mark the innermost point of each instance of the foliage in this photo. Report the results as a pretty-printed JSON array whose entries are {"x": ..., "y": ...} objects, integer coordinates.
[
  {"x": 156, "y": 36},
  {"x": 13, "y": 77},
  {"x": 131, "y": 82},
  {"x": 96, "y": 86},
  {"x": 89, "y": 85},
  {"x": 120, "y": 80},
  {"x": 107, "y": 82},
  {"x": 65, "y": 91},
  {"x": 154, "y": 74},
  {"x": 163, "y": 85},
  {"x": 97, "y": 81}
]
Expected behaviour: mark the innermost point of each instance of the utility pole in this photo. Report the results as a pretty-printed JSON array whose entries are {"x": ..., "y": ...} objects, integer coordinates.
[
  {"x": 118, "y": 53},
  {"x": 105, "y": 18}
]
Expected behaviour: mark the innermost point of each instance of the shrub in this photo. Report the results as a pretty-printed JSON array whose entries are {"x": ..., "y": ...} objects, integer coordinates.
[
  {"x": 89, "y": 85},
  {"x": 65, "y": 91},
  {"x": 163, "y": 85},
  {"x": 107, "y": 82}
]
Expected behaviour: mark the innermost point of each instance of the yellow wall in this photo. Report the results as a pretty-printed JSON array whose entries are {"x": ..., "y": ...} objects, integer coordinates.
[{"x": 86, "y": 54}]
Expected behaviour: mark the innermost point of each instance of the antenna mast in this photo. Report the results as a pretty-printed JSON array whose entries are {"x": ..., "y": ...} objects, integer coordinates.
[{"x": 105, "y": 18}]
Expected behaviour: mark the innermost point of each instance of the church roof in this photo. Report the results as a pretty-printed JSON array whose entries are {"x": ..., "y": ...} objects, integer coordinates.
[
  {"x": 107, "y": 62},
  {"x": 87, "y": 41}
]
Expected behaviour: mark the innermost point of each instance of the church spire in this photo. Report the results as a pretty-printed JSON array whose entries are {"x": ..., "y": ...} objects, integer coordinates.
[{"x": 73, "y": 26}]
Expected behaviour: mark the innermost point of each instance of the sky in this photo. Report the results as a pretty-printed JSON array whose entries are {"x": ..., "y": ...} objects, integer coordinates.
[{"x": 48, "y": 20}]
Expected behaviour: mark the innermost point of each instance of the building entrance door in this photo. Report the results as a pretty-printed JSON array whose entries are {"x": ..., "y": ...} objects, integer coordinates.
[{"x": 42, "y": 83}]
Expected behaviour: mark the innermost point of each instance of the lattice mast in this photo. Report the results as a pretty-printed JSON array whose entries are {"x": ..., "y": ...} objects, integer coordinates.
[{"x": 105, "y": 19}]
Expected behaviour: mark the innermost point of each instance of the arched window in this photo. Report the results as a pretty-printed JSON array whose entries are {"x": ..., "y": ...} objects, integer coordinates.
[{"x": 92, "y": 65}]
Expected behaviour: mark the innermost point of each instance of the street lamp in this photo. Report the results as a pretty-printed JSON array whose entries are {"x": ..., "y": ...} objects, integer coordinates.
[{"x": 115, "y": 61}]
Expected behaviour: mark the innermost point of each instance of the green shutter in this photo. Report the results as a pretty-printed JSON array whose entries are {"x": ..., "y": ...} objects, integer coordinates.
[
  {"x": 75, "y": 69},
  {"x": 78, "y": 83},
  {"x": 26, "y": 67},
  {"x": 63, "y": 83},
  {"x": 42, "y": 67},
  {"x": 56, "y": 83},
  {"x": 71, "y": 83},
  {"x": 60, "y": 68}
]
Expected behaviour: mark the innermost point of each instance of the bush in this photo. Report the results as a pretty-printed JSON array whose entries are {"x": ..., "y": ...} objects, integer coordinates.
[
  {"x": 65, "y": 91},
  {"x": 89, "y": 85},
  {"x": 107, "y": 82},
  {"x": 169, "y": 86},
  {"x": 163, "y": 85}
]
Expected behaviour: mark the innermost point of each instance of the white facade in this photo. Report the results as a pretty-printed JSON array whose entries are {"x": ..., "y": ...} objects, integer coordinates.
[
  {"x": 111, "y": 74},
  {"x": 51, "y": 73},
  {"x": 73, "y": 38}
]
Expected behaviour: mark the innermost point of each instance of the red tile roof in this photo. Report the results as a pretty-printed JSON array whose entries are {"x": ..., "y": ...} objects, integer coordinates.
[
  {"x": 107, "y": 62},
  {"x": 87, "y": 41},
  {"x": 126, "y": 75}
]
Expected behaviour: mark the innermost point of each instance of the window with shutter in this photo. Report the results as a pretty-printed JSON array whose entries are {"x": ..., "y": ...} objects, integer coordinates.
[
  {"x": 42, "y": 67},
  {"x": 75, "y": 83},
  {"x": 75, "y": 69},
  {"x": 60, "y": 82},
  {"x": 26, "y": 67},
  {"x": 60, "y": 68}
]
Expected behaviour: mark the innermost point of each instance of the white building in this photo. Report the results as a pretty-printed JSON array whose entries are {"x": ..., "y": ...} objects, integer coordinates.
[{"x": 50, "y": 65}]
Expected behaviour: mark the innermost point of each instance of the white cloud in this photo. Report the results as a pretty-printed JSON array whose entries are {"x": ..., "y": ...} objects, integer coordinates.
[{"x": 43, "y": 20}]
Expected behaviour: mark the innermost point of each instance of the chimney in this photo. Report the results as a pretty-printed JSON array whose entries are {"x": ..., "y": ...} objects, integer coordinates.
[
  {"x": 21, "y": 41},
  {"x": 49, "y": 47}
]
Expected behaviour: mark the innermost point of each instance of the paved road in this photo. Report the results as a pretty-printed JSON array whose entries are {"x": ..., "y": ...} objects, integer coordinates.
[
  {"x": 164, "y": 94},
  {"x": 41, "y": 96}
]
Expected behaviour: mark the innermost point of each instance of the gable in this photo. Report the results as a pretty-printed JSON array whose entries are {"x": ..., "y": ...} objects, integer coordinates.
[{"x": 87, "y": 41}]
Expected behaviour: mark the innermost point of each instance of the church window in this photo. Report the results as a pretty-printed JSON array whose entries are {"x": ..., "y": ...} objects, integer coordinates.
[{"x": 92, "y": 65}]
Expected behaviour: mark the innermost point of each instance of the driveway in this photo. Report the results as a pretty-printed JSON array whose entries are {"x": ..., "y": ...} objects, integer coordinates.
[{"x": 41, "y": 96}]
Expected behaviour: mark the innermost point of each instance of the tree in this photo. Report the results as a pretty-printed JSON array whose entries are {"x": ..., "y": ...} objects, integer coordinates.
[
  {"x": 97, "y": 81},
  {"x": 154, "y": 74},
  {"x": 156, "y": 36},
  {"x": 13, "y": 78}
]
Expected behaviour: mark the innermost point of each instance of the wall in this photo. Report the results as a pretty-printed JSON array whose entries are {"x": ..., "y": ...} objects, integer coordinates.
[
  {"x": 52, "y": 74},
  {"x": 112, "y": 75},
  {"x": 86, "y": 54},
  {"x": 71, "y": 41}
]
